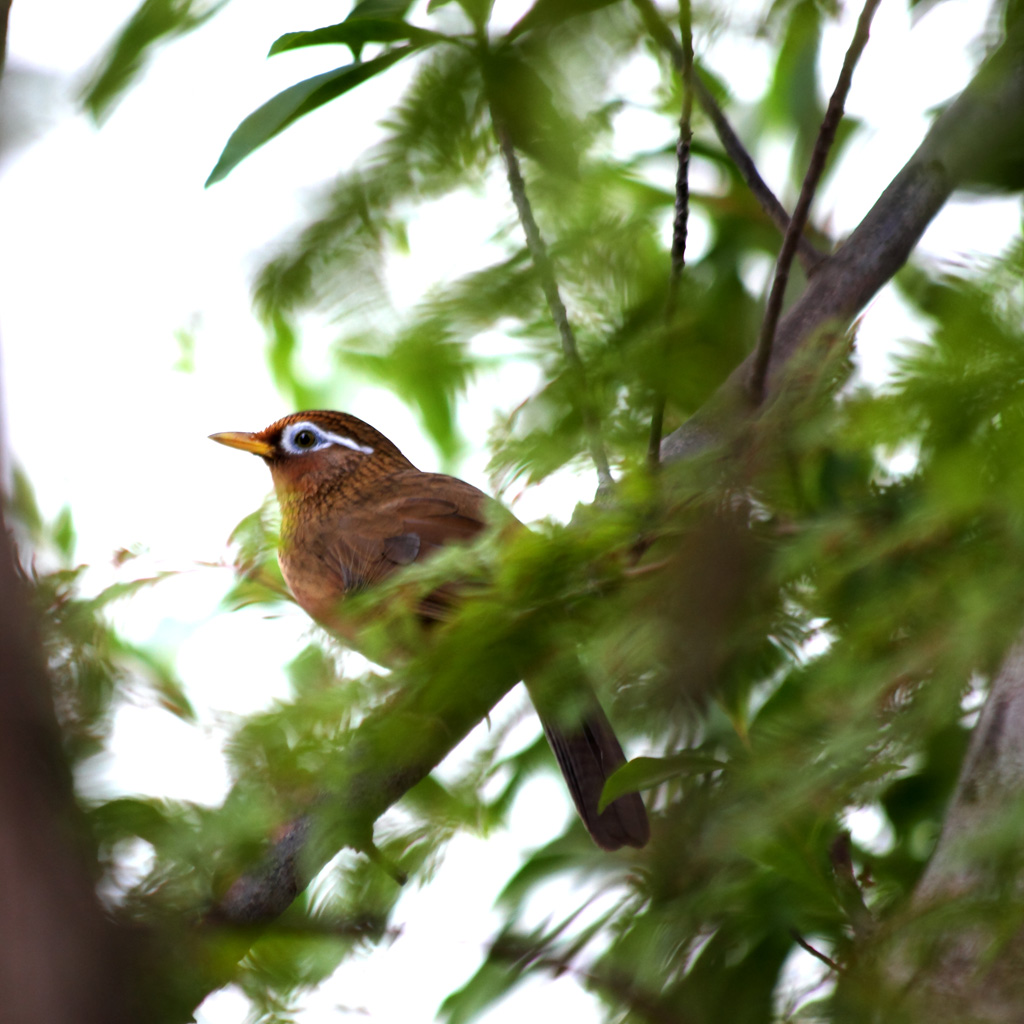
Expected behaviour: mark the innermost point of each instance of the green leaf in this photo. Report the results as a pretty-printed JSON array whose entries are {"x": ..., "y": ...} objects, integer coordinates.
[
  {"x": 356, "y": 33},
  {"x": 127, "y": 817},
  {"x": 288, "y": 106},
  {"x": 160, "y": 674},
  {"x": 648, "y": 772},
  {"x": 503, "y": 970},
  {"x": 64, "y": 536},
  {"x": 552, "y": 12},
  {"x": 379, "y": 9},
  {"x": 155, "y": 21},
  {"x": 428, "y": 368},
  {"x": 524, "y": 105},
  {"x": 283, "y": 361},
  {"x": 478, "y": 11},
  {"x": 186, "y": 362},
  {"x": 793, "y": 103},
  {"x": 511, "y": 958},
  {"x": 312, "y": 670},
  {"x": 119, "y": 591},
  {"x": 22, "y": 505}
]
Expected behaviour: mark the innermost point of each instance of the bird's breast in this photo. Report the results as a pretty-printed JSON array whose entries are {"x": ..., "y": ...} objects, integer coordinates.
[{"x": 318, "y": 588}]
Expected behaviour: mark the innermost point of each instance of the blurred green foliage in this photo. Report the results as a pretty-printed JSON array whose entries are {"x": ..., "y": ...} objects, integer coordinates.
[
  {"x": 154, "y": 23},
  {"x": 800, "y": 644}
]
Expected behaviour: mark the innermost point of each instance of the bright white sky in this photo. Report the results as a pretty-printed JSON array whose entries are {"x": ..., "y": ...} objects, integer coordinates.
[{"x": 111, "y": 245}]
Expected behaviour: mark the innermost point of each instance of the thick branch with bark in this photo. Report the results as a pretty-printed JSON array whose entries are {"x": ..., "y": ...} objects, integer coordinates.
[
  {"x": 394, "y": 747},
  {"x": 967, "y": 145},
  {"x": 952, "y": 959},
  {"x": 802, "y": 210}
]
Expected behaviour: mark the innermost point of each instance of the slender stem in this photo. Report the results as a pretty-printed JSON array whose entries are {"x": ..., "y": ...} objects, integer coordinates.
[
  {"x": 682, "y": 214},
  {"x": 822, "y": 145},
  {"x": 683, "y": 149},
  {"x": 542, "y": 262},
  {"x": 5, "y": 13},
  {"x": 805, "y": 945},
  {"x": 809, "y": 255}
]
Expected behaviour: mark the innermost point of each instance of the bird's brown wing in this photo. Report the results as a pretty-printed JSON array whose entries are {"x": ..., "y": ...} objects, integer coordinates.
[{"x": 408, "y": 526}]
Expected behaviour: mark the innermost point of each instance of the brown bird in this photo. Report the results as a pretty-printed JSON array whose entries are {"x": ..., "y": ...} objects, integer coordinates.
[{"x": 354, "y": 510}]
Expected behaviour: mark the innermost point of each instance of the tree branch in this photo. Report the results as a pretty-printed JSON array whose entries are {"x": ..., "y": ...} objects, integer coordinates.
[
  {"x": 394, "y": 747},
  {"x": 808, "y": 255},
  {"x": 822, "y": 146},
  {"x": 380, "y": 764},
  {"x": 952, "y": 959},
  {"x": 542, "y": 261},
  {"x": 967, "y": 145},
  {"x": 61, "y": 960},
  {"x": 682, "y": 215}
]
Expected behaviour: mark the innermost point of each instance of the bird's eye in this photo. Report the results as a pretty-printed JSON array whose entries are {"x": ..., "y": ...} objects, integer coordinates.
[{"x": 302, "y": 437}]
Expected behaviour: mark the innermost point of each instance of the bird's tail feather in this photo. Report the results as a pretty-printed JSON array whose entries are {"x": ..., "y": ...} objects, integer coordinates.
[{"x": 588, "y": 751}]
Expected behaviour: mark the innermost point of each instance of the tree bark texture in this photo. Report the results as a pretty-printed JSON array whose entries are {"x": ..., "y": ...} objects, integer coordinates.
[{"x": 59, "y": 961}]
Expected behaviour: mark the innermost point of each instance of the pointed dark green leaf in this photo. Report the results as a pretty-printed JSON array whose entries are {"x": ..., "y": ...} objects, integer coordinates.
[
  {"x": 525, "y": 107},
  {"x": 380, "y": 9},
  {"x": 356, "y": 33},
  {"x": 647, "y": 772},
  {"x": 478, "y": 11},
  {"x": 288, "y": 106},
  {"x": 376, "y": 10},
  {"x": 489, "y": 985},
  {"x": 552, "y": 12}
]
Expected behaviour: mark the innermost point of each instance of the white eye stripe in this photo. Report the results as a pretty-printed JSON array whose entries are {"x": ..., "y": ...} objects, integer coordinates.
[
  {"x": 347, "y": 442},
  {"x": 324, "y": 438}
]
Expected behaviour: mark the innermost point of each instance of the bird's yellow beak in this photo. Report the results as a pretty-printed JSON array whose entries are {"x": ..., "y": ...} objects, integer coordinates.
[{"x": 246, "y": 442}]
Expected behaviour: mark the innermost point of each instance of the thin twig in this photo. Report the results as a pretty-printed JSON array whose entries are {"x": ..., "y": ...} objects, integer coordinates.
[
  {"x": 682, "y": 215},
  {"x": 682, "y": 211},
  {"x": 851, "y": 898},
  {"x": 804, "y": 944},
  {"x": 542, "y": 262},
  {"x": 807, "y": 253},
  {"x": 822, "y": 145}
]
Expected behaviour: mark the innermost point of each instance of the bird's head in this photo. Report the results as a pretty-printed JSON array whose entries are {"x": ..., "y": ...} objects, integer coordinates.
[{"x": 310, "y": 452}]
